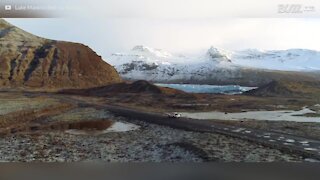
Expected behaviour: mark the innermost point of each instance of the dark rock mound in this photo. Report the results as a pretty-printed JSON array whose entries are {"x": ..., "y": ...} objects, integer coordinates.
[
  {"x": 138, "y": 87},
  {"x": 288, "y": 89}
]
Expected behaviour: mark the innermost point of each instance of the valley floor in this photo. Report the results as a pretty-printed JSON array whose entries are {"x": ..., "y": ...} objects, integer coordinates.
[
  {"x": 35, "y": 127},
  {"x": 151, "y": 143}
]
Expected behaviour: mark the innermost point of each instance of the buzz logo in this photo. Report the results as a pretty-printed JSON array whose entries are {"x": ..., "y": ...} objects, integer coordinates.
[{"x": 7, "y": 7}]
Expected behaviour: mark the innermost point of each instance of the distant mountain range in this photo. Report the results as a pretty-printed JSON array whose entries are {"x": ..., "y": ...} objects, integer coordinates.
[{"x": 217, "y": 66}]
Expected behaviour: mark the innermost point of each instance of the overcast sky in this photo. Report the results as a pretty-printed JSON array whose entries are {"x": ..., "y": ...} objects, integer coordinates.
[{"x": 180, "y": 25}]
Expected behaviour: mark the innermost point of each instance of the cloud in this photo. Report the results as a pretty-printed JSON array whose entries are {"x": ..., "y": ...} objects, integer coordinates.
[
  {"x": 171, "y": 9},
  {"x": 179, "y": 26}
]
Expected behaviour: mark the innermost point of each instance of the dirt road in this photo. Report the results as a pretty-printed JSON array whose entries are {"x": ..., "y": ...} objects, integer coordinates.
[{"x": 308, "y": 148}]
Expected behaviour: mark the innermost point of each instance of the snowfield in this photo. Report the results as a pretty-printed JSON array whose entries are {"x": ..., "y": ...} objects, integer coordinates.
[{"x": 292, "y": 59}]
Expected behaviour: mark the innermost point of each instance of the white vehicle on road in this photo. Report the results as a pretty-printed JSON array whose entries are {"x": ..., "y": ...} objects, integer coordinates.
[{"x": 174, "y": 115}]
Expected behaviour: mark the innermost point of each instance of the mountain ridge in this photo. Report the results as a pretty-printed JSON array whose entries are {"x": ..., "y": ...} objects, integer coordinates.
[{"x": 215, "y": 67}]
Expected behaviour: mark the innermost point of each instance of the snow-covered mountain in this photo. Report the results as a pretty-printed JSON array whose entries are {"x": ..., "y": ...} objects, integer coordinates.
[
  {"x": 288, "y": 60},
  {"x": 216, "y": 66},
  {"x": 147, "y": 55}
]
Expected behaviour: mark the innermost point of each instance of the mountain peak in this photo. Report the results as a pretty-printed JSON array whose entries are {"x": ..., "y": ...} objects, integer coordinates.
[
  {"x": 4, "y": 24},
  {"x": 148, "y": 51},
  {"x": 14, "y": 36},
  {"x": 142, "y": 48},
  {"x": 217, "y": 54}
]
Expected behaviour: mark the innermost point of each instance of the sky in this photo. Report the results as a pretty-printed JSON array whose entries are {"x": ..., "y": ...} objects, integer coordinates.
[{"x": 181, "y": 26}]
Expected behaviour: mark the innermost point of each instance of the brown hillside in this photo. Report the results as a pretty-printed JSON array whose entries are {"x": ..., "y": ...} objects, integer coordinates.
[{"x": 29, "y": 61}]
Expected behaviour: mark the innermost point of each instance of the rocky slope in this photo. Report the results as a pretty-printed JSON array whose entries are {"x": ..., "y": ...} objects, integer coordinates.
[
  {"x": 28, "y": 61},
  {"x": 216, "y": 67}
]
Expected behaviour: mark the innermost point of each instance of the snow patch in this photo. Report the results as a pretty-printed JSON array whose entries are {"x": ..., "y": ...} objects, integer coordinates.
[{"x": 283, "y": 115}]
